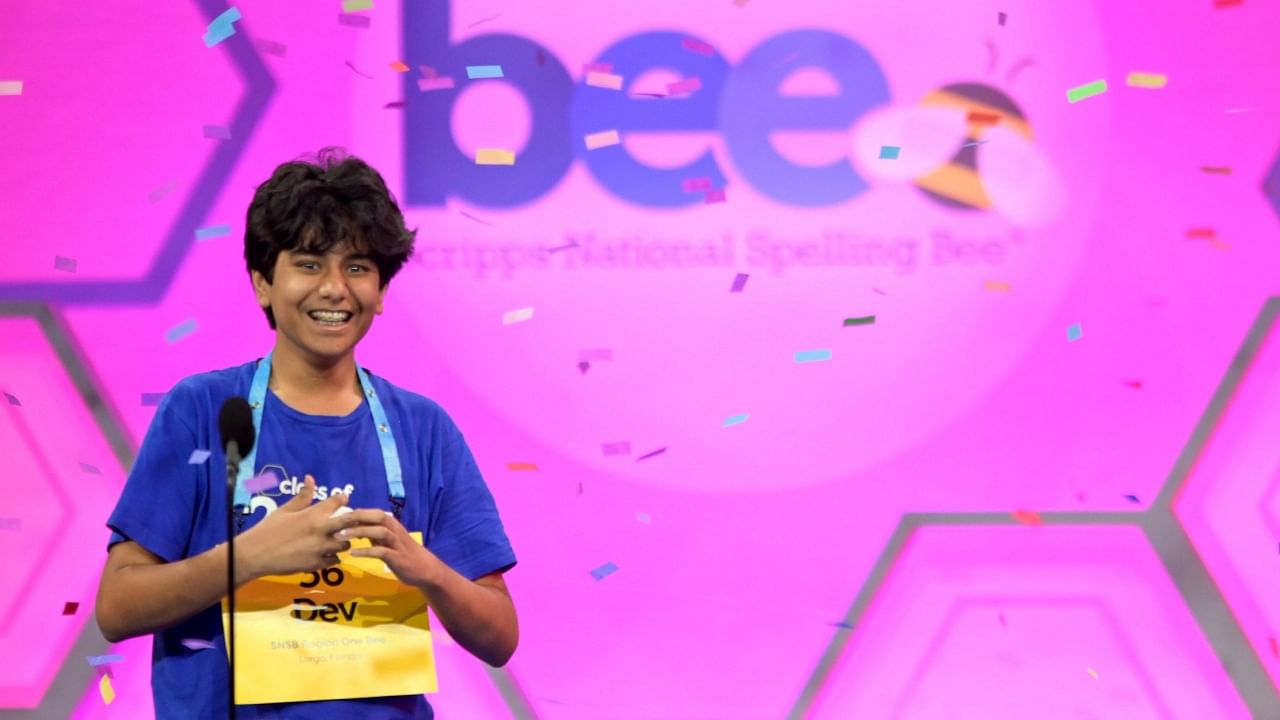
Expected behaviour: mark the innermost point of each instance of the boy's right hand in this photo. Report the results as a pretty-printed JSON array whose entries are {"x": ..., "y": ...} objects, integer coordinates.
[{"x": 297, "y": 537}]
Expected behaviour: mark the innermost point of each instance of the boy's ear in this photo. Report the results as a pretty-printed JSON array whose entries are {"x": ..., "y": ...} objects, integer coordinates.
[
  {"x": 382, "y": 295},
  {"x": 261, "y": 288}
]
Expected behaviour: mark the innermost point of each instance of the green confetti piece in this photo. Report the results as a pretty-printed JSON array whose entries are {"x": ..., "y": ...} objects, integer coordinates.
[
  {"x": 868, "y": 320},
  {"x": 1088, "y": 90}
]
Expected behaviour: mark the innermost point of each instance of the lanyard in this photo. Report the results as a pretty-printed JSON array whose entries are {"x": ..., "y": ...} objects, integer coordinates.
[{"x": 387, "y": 441}]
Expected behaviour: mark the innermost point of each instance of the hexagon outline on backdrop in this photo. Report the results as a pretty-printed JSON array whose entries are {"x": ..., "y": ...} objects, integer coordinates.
[{"x": 1168, "y": 538}]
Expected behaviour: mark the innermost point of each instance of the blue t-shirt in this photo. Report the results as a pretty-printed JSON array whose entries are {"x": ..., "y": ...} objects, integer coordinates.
[{"x": 177, "y": 510}]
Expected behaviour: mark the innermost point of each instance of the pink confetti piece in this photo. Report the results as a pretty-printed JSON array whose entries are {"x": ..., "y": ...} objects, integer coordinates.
[
  {"x": 616, "y": 448},
  {"x": 603, "y": 139},
  {"x": 435, "y": 83},
  {"x": 271, "y": 47},
  {"x": 715, "y": 196},
  {"x": 697, "y": 46},
  {"x": 427, "y": 71},
  {"x": 603, "y": 68},
  {"x": 217, "y": 132},
  {"x": 684, "y": 87},
  {"x": 698, "y": 184}
]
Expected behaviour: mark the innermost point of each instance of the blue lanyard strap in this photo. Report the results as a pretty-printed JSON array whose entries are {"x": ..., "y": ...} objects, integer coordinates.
[{"x": 382, "y": 428}]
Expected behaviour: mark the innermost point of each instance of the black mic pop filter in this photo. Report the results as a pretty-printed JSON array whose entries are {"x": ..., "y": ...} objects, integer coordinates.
[{"x": 235, "y": 422}]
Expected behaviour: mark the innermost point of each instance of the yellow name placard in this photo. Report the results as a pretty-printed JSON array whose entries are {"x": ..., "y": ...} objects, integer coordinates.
[{"x": 349, "y": 631}]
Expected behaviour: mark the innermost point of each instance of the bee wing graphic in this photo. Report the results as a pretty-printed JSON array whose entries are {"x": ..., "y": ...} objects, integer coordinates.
[
  {"x": 926, "y": 137},
  {"x": 1018, "y": 178}
]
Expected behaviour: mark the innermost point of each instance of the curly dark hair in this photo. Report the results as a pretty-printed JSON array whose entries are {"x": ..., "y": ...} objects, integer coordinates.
[{"x": 321, "y": 204}]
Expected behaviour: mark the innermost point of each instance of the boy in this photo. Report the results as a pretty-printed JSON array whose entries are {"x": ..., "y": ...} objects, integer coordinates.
[{"x": 322, "y": 241}]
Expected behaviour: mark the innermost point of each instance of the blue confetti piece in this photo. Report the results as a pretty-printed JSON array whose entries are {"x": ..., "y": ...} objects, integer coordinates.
[
  {"x": 96, "y": 660},
  {"x": 12, "y": 400},
  {"x": 222, "y": 27},
  {"x": 889, "y": 152},
  {"x": 1074, "y": 333},
  {"x": 151, "y": 399},
  {"x": 604, "y": 571},
  {"x": 1133, "y": 499},
  {"x": 735, "y": 420},
  {"x": 845, "y": 625},
  {"x": 181, "y": 330},
  {"x": 480, "y": 72},
  {"x": 198, "y": 457},
  {"x": 212, "y": 231},
  {"x": 805, "y": 356}
]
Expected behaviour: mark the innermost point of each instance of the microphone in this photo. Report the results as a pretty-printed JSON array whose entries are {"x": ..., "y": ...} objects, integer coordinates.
[{"x": 235, "y": 426}]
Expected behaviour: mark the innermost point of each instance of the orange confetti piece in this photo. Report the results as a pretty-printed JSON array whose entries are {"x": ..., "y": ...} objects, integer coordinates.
[
  {"x": 1215, "y": 169},
  {"x": 1092, "y": 673},
  {"x": 978, "y": 118},
  {"x": 399, "y": 66},
  {"x": 996, "y": 286},
  {"x": 516, "y": 467},
  {"x": 1027, "y": 517}
]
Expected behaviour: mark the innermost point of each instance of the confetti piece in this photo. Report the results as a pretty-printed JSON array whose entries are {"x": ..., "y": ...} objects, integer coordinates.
[
  {"x": 198, "y": 457},
  {"x": 217, "y": 132},
  {"x": 1215, "y": 170},
  {"x": 92, "y": 470},
  {"x": 10, "y": 87},
  {"x": 1226, "y": 3},
  {"x": 485, "y": 20},
  {"x": 1275, "y": 646},
  {"x": 807, "y": 356},
  {"x": 515, "y": 316},
  {"x": 194, "y": 644},
  {"x": 399, "y": 67},
  {"x": 356, "y": 71},
  {"x": 10, "y": 523},
  {"x": 616, "y": 448},
  {"x": 151, "y": 399},
  {"x": 469, "y": 216},
  {"x": 492, "y": 156},
  {"x": 13, "y": 400},
  {"x": 975, "y": 143},
  {"x": 351, "y": 6},
  {"x": 605, "y": 68},
  {"x": 595, "y": 354},
  {"x": 517, "y": 467},
  {"x": 604, "y": 80},
  {"x": 70, "y": 608},
  {"x": 659, "y": 451},
  {"x": 739, "y": 282},
  {"x": 393, "y": 104},
  {"x": 714, "y": 196},
  {"x": 353, "y": 20},
  {"x": 1027, "y": 517},
  {"x": 104, "y": 688},
  {"x": 1092, "y": 673},
  {"x": 1000, "y": 18},
  {"x": 697, "y": 46},
  {"x": 212, "y": 231},
  {"x": 159, "y": 193},
  {"x": 222, "y": 27},
  {"x": 1088, "y": 90},
  {"x": 642, "y": 517},
  {"x": 181, "y": 330},
  {"x": 1074, "y": 332},
  {"x": 1202, "y": 233},
  {"x": 1150, "y": 81},
  {"x": 866, "y": 320},
  {"x": 735, "y": 420},
  {"x": 260, "y": 482},
  {"x": 1135, "y": 384},
  {"x": 65, "y": 264},
  {"x": 843, "y": 624},
  {"x": 96, "y": 660},
  {"x": 698, "y": 184},
  {"x": 684, "y": 87},
  {"x": 740, "y": 3},
  {"x": 482, "y": 72},
  {"x": 541, "y": 57},
  {"x": 567, "y": 246},
  {"x": 1133, "y": 499},
  {"x": 271, "y": 47},
  {"x": 604, "y": 571},
  {"x": 984, "y": 119},
  {"x": 602, "y": 139},
  {"x": 890, "y": 152},
  {"x": 996, "y": 286},
  {"x": 879, "y": 291},
  {"x": 583, "y": 367},
  {"x": 1003, "y": 622}
]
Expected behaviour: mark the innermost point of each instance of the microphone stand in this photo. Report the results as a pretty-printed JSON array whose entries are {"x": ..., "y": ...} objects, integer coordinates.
[{"x": 233, "y": 469}]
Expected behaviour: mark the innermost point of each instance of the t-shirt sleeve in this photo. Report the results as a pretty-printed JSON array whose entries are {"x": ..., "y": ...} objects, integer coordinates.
[
  {"x": 158, "y": 505},
  {"x": 465, "y": 530}
]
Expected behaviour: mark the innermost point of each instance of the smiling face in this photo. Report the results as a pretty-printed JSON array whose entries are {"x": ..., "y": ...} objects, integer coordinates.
[{"x": 323, "y": 303}]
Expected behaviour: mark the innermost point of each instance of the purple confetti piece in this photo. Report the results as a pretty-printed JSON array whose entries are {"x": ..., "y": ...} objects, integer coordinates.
[
  {"x": 428, "y": 84},
  {"x": 355, "y": 21},
  {"x": 595, "y": 355},
  {"x": 393, "y": 104},
  {"x": 212, "y": 231},
  {"x": 10, "y": 523},
  {"x": 715, "y": 196},
  {"x": 198, "y": 457},
  {"x": 698, "y": 184},
  {"x": 217, "y": 132},
  {"x": 181, "y": 330},
  {"x": 659, "y": 451},
  {"x": 151, "y": 399},
  {"x": 194, "y": 644},
  {"x": 583, "y": 367},
  {"x": 1001, "y": 18},
  {"x": 739, "y": 282},
  {"x": 616, "y": 448},
  {"x": 86, "y": 467},
  {"x": 271, "y": 47},
  {"x": 12, "y": 399},
  {"x": 156, "y": 195},
  {"x": 684, "y": 87},
  {"x": 65, "y": 264},
  {"x": 1133, "y": 499},
  {"x": 258, "y": 483},
  {"x": 604, "y": 571},
  {"x": 842, "y": 624}
]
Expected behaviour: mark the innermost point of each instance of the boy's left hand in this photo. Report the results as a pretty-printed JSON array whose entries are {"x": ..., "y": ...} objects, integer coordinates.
[{"x": 408, "y": 559}]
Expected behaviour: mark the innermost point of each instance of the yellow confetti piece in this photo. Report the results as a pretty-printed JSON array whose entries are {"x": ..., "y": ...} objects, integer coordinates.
[
  {"x": 522, "y": 466},
  {"x": 996, "y": 286},
  {"x": 1092, "y": 673},
  {"x": 108, "y": 692},
  {"x": 595, "y": 141},
  {"x": 1152, "y": 81},
  {"x": 399, "y": 66},
  {"x": 350, "y": 6},
  {"x": 516, "y": 316},
  {"x": 493, "y": 156},
  {"x": 604, "y": 80},
  {"x": 10, "y": 87}
]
